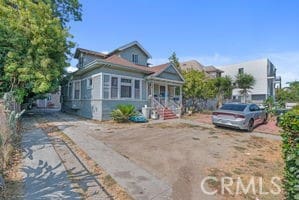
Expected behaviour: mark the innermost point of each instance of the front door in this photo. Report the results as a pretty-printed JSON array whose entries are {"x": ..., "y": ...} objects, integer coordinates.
[{"x": 162, "y": 94}]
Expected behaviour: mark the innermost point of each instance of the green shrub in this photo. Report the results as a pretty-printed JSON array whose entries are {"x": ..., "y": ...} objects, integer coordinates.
[
  {"x": 123, "y": 112},
  {"x": 290, "y": 148}
]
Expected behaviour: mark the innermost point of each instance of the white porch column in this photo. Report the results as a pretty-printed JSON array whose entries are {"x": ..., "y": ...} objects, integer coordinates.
[
  {"x": 152, "y": 89},
  {"x": 166, "y": 95},
  {"x": 181, "y": 96}
]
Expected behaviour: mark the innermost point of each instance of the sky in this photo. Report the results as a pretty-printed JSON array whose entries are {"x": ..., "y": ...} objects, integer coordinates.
[{"x": 213, "y": 32}]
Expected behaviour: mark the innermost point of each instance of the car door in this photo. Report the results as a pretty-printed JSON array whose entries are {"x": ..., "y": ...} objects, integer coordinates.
[
  {"x": 255, "y": 113},
  {"x": 259, "y": 114}
]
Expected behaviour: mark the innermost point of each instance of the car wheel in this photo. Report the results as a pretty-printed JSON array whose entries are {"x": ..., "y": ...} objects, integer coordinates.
[{"x": 250, "y": 125}]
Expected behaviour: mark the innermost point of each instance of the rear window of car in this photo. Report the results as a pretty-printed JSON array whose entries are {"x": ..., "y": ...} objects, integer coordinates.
[{"x": 233, "y": 107}]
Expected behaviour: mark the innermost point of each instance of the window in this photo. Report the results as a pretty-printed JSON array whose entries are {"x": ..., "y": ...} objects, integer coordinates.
[
  {"x": 241, "y": 70},
  {"x": 258, "y": 97},
  {"x": 70, "y": 88},
  {"x": 254, "y": 108},
  {"x": 137, "y": 89},
  {"x": 126, "y": 88},
  {"x": 234, "y": 107},
  {"x": 135, "y": 58},
  {"x": 106, "y": 87},
  {"x": 89, "y": 83},
  {"x": 77, "y": 90},
  {"x": 114, "y": 87}
]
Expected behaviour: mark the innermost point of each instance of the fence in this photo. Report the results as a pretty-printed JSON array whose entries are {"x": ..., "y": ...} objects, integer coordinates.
[{"x": 10, "y": 112}]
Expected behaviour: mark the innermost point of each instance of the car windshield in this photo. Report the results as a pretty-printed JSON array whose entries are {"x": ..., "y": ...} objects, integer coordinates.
[{"x": 233, "y": 107}]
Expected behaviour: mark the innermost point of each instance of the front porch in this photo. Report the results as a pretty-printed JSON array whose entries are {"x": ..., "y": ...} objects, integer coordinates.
[{"x": 166, "y": 98}]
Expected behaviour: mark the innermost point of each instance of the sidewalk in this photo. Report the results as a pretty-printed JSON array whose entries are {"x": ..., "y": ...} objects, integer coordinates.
[
  {"x": 139, "y": 183},
  {"x": 44, "y": 175}
]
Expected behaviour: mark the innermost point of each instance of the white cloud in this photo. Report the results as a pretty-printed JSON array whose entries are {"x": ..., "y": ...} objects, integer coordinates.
[{"x": 71, "y": 69}]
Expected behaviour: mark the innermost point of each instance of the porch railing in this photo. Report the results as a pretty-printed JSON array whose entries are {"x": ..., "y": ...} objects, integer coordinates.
[
  {"x": 174, "y": 107},
  {"x": 159, "y": 107}
]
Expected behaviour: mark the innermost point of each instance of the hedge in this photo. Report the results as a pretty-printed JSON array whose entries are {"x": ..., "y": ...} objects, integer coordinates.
[{"x": 290, "y": 149}]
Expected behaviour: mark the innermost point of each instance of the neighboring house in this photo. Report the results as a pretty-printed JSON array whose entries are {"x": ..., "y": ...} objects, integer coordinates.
[
  {"x": 210, "y": 71},
  {"x": 213, "y": 71},
  {"x": 264, "y": 73},
  {"x": 122, "y": 76},
  {"x": 51, "y": 101}
]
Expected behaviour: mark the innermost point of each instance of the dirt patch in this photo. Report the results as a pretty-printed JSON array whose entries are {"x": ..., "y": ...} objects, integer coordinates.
[
  {"x": 259, "y": 163},
  {"x": 13, "y": 178},
  {"x": 183, "y": 155}
]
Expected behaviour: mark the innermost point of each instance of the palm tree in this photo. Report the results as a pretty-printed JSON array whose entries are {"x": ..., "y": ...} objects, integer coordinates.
[
  {"x": 224, "y": 88},
  {"x": 244, "y": 82}
]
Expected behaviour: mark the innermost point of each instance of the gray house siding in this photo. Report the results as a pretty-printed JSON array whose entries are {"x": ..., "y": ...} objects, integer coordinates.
[
  {"x": 91, "y": 105},
  {"x": 170, "y": 73},
  {"x": 127, "y": 54},
  {"x": 109, "y": 105}
]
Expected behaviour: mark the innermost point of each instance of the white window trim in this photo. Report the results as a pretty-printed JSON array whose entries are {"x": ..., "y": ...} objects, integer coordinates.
[
  {"x": 88, "y": 87},
  {"x": 134, "y": 55},
  {"x": 74, "y": 82},
  {"x": 128, "y": 84},
  {"x": 68, "y": 91},
  {"x": 119, "y": 87}
]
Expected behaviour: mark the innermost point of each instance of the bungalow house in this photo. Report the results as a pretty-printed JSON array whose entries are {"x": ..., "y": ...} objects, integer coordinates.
[{"x": 122, "y": 76}]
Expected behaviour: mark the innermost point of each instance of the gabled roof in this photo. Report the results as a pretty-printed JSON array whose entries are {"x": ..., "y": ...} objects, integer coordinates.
[
  {"x": 115, "y": 59},
  {"x": 157, "y": 70},
  {"x": 130, "y": 45},
  {"x": 90, "y": 52},
  {"x": 212, "y": 68},
  {"x": 194, "y": 64},
  {"x": 191, "y": 64}
]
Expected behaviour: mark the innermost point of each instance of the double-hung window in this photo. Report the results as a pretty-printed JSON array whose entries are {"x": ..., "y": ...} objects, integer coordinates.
[
  {"x": 89, "y": 83},
  {"x": 106, "y": 86},
  {"x": 70, "y": 91},
  {"x": 77, "y": 89},
  {"x": 137, "y": 89},
  {"x": 135, "y": 58},
  {"x": 114, "y": 87},
  {"x": 126, "y": 88}
]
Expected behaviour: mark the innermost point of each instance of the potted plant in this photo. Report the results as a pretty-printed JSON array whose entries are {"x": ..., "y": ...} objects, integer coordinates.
[{"x": 154, "y": 114}]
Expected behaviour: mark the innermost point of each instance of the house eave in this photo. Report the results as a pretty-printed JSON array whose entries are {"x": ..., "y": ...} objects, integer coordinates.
[
  {"x": 164, "y": 80},
  {"x": 98, "y": 63}
]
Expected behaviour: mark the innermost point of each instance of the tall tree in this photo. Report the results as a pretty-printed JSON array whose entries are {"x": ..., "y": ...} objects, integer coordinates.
[
  {"x": 175, "y": 60},
  {"x": 33, "y": 48},
  {"x": 65, "y": 10},
  {"x": 289, "y": 94},
  {"x": 245, "y": 82},
  {"x": 223, "y": 86},
  {"x": 197, "y": 87}
]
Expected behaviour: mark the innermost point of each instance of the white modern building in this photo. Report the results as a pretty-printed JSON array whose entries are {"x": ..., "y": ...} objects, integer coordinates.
[{"x": 264, "y": 73}]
